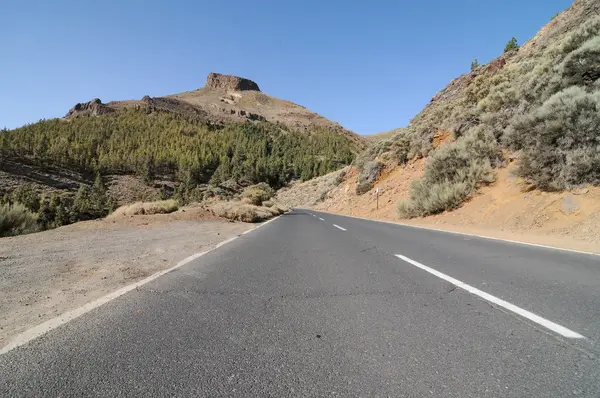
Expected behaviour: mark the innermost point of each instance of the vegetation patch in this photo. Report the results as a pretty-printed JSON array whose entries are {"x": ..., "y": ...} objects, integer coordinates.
[
  {"x": 147, "y": 208},
  {"x": 452, "y": 174},
  {"x": 367, "y": 176},
  {"x": 560, "y": 141},
  {"x": 16, "y": 219},
  {"x": 239, "y": 211},
  {"x": 259, "y": 193}
]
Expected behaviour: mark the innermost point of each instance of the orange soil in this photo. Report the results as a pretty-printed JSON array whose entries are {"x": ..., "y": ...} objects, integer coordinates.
[{"x": 505, "y": 209}]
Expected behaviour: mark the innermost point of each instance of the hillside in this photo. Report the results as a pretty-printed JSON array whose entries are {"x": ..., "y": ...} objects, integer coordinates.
[
  {"x": 194, "y": 146},
  {"x": 533, "y": 111}
]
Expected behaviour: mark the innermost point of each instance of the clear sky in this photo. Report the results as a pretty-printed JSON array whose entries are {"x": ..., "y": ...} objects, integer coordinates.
[{"x": 370, "y": 65}]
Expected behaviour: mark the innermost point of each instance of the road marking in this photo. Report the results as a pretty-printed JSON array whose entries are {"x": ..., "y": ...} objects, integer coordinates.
[
  {"x": 563, "y": 331},
  {"x": 43, "y": 328},
  {"x": 321, "y": 219},
  {"x": 399, "y": 224},
  {"x": 338, "y": 227}
]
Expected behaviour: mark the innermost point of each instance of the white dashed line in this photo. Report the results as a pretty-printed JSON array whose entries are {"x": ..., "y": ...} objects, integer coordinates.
[
  {"x": 399, "y": 224},
  {"x": 321, "y": 219},
  {"x": 338, "y": 227},
  {"x": 563, "y": 331}
]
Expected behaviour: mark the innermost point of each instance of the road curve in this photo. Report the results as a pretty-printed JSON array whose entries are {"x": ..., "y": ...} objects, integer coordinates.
[{"x": 315, "y": 304}]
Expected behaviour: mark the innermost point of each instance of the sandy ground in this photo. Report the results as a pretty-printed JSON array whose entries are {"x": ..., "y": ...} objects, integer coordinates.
[
  {"x": 46, "y": 274},
  {"x": 506, "y": 209}
]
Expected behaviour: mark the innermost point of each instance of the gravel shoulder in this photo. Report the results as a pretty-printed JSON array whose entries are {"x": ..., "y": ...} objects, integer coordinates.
[{"x": 46, "y": 274}]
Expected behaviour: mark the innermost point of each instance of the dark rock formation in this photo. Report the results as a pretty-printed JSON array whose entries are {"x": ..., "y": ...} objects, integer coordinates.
[
  {"x": 93, "y": 108},
  {"x": 230, "y": 83}
]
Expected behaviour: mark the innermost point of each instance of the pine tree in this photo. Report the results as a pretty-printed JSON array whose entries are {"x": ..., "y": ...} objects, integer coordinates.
[
  {"x": 98, "y": 197},
  {"x": 511, "y": 45},
  {"x": 474, "y": 65}
]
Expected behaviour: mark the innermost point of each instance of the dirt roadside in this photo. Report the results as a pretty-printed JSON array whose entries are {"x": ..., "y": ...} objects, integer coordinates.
[
  {"x": 47, "y": 274},
  {"x": 506, "y": 209}
]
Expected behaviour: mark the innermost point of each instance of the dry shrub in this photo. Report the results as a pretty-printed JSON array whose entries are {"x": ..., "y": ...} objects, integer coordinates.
[
  {"x": 559, "y": 141},
  {"x": 147, "y": 208},
  {"x": 239, "y": 211},
  {"x": 258, "y": 193},
  {"x": 453, "y": 174},
  {"x": 16, "y": 219},
  {"x": 367, "y": 176}
]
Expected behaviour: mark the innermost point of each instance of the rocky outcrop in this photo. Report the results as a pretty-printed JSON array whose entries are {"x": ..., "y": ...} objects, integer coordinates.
[
  {"x": 164, "y": 104},
  {"x": 230, "y": 83},
  {"x": 93, "y": 108}
]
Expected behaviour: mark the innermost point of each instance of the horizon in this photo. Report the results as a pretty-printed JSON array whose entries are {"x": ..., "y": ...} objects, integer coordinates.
[{"x": 346, "y": 67}]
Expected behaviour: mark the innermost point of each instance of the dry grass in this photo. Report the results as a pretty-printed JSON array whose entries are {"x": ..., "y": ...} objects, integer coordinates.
[
  {"x": 240, "y": 211},
  {"x": 146, "y": 208},
  {"x": 309, "y": 193},
  {"x": 259, "y": 193}
]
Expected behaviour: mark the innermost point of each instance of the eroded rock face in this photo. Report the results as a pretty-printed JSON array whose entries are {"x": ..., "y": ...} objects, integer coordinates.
[
  {"x": 230, "y": 83},
  {"x": 93, "y": 108}
]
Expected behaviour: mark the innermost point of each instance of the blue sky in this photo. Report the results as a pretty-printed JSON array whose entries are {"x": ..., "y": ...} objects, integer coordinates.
[{"x": 369, "y": 65}]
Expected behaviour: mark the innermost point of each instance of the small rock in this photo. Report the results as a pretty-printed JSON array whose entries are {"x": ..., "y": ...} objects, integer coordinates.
[{"x": 580, "y": 191}]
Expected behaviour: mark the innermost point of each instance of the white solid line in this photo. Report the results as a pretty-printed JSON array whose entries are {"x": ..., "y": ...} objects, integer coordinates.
[
  {"x": 43, "y": 328},
  {"x": 321, "y": 219},
  {"x": 337, "y": 226},
  {"x": 465, "y": 234},
  {"x": 563, "y": 331},
  {"x": 259, "y": 225}
]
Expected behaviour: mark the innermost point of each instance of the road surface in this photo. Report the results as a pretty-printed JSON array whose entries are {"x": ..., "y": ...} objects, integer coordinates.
[{"x": 314, "y": 304}]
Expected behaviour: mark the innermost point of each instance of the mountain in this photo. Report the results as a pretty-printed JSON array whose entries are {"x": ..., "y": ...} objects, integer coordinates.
[
  {"x": 527, "y": 123},
  {"x": 196, "y": 145},
  {"x": 224, "y": 99}
]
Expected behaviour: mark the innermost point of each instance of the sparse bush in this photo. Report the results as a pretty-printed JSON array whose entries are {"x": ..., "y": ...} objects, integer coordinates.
[
  {"x": 238, "y": 211},
  {"x": 582, "y": 66},
  {"x": 16, "y": 219},
  {"x": 367, "y": 176},
  {"x": 559, "y": 141},
  {"x": 27, "y": 196},
  {"x": 147, "y": 208},
  {"x": 511, "y": 45},
  {"x": 448, "y": 160},
  {"x": 428, "y": 198},
  {"x": 474, "y": 65},
  {"x": 589, "y": 29},
  {"x": 258, "y": 193},
  {"x": 452, "y": 174},
  {"x": 268, "y": 203}
]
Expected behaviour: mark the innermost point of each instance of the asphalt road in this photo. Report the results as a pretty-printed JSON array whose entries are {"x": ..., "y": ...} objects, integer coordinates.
[{"x": 315, "y": 304}]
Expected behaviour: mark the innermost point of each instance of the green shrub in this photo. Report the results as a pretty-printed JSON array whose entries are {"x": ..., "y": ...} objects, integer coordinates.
[
  {"x": 16, "y": 219},
  {"x": 560, "y": 141},
  {"x": 474, "y": 65},
  {"x": 259, "y": 193},
  {"x": 27, "y": 196}
]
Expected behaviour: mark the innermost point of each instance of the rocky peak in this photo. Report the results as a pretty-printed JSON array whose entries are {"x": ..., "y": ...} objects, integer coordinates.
[
  {"x": 230, "y": 83},
  {"x": 92, "y": 108}
]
